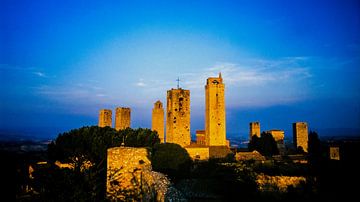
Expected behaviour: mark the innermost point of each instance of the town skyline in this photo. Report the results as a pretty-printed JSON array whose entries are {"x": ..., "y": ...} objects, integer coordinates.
[{"x": 283, "y": 62}]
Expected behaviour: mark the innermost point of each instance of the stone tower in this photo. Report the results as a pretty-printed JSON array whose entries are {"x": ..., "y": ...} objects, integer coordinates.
[
  {"x": 122, "y": 118},
  {"x": 300, "y": 135},
  {"x": 215, "y": 123},
  {"x": 254, "y": 130},
  {"x": 105, "y": 118},
  {"x": 178, "y": 117},
  {"x": 157, "y": 123}
]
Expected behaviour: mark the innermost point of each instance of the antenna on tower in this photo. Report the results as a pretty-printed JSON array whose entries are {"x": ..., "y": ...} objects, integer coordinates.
[{"x": 178, "y": 82}]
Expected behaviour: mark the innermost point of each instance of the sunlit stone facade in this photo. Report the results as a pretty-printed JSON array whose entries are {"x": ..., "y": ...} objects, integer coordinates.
[
  {"x": 157, "y": 123},
  {"x": 178, "y": 117},
  {"x": 122, "y": 118},
  {"x": 105, "y": 118},
  {"x": 300, "y": 135},
  {"x": 215, "y": 123},
  {"x": 254, "y": 130}
]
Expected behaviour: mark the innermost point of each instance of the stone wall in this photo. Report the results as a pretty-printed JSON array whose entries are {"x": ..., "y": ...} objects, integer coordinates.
[{"x": 130, "y": 178}]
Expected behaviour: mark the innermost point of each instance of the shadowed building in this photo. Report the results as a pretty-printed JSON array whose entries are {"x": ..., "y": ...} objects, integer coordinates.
[
  {"x": 157, "y": 123},
  {"x": 122, "y": 118},
  {"x": 105, "y": 118},
  {"x": 300, "y": 135},
  {"x": 254, "y": 130},
  {"x": 178, "y": 117},
  {"x": 215, "y": 123}
]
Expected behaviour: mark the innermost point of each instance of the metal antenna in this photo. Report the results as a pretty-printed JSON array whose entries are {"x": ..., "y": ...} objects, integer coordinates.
[{"x": 178, "y": 82}]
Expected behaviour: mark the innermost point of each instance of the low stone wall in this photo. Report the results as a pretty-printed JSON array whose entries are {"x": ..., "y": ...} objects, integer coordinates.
[{"x": 274, "y": 183}]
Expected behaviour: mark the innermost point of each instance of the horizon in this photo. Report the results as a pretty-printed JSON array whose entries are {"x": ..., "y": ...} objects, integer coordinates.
[{"x": 281, "y": 62}]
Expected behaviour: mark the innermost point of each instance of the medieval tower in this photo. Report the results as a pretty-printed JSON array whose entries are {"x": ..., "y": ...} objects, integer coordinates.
[
  {"x": 157, "y": 123},
  {"x": 122, "y": 118},
  {"x": 300, "y": 135},
  {"x": 178, "y": 117},
  {"x": 254, "y": 130},
  {"x": 105, "y": 118},
  {"x": 215, "y": 123}
]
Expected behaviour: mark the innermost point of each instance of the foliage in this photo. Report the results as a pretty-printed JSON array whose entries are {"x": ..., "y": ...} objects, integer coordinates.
[
  {"x": 171, "y": 159},
  {"x": 266, "y": 144}
]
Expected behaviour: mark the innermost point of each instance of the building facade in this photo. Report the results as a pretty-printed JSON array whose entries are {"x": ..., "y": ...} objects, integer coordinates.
[
  {"x": 215, "y": 123},
  {"x": 300, "y": 135},
  {"x": 122, "y": 118},
  {"x": 254, "y": 130},
  {"x": 105, "y": 118},
  {"x": 157, "y": 121},
  {"x": 178, "y": 117},
  {"x": 200, "y": 137}
]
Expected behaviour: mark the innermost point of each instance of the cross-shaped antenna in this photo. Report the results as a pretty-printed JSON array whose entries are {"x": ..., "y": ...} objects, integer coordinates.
[{"x": 178, "y": 82}]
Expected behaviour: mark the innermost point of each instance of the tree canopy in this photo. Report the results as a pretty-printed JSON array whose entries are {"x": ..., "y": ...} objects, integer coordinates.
[{"x": 266, "y": 144}]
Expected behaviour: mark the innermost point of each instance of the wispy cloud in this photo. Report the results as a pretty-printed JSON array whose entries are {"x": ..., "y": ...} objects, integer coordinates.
[{"x": 40, "y": 74}]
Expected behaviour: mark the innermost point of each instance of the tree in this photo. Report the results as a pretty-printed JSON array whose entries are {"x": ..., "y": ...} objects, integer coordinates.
[
  {"x": 266, "y": 144},
  {"x": 171, "y": 159}
]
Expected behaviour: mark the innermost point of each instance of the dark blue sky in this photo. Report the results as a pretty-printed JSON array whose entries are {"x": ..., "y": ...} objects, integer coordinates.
[{"x": 282, "y": 61}]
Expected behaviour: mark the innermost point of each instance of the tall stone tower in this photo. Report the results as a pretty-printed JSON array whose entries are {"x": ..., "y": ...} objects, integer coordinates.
[
  {"x": 254, "y": 130},
  {"x": 215, "y": 123},
  {"x": 157, "y": 123},
  {"x": 105, "y": 118},
  {"x": 122, "y": 118},
  {"x": 300, "y": 135},
  {"x": 178, "y": 117}
]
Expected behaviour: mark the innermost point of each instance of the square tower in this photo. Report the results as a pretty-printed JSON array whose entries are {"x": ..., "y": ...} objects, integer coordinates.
[
  {"x": 122, "y": 118},
  {"x": 157, "y": 123},
  {"x": 254, "y": 130},
  {"x": 105, "y": 118},
  {"x": 300, "y": 135},
  {"x": 178, "y": 117},
  {"x": 215, "y": 123}
]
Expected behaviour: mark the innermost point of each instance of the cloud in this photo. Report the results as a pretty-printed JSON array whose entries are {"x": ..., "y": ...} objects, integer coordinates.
[
  {"x": 40, "y": 74},
  {"x": 141, "y": 83}
]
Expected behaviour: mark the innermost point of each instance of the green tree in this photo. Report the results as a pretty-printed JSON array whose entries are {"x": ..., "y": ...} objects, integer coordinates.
[
  {"x": 266, "y": 144},
  {"x": 171, "y": 159}
]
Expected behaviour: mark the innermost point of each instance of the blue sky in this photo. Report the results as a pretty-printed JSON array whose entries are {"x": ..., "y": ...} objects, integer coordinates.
[{"x": 282, "y": 61}]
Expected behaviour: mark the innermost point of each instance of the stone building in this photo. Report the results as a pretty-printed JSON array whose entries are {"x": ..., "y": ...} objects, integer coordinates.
[
  {"x": 254, "y": 130},
  {"x": 300, "y": 135},
  {"x": 105, "y": 118},
  {"x": 157, "y": 123},
  {"x": 178, "y": 117},
  {"x": 122, "y": 118},
  {"x": 334, "y": 153},
  {"x": 200, "y": 137},
  {"x": 215, "y": 123}
]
